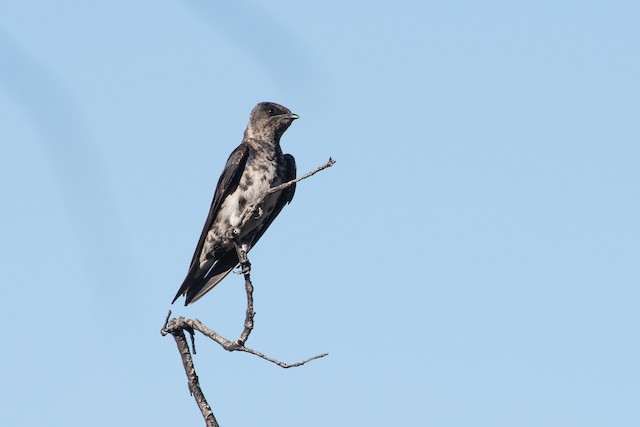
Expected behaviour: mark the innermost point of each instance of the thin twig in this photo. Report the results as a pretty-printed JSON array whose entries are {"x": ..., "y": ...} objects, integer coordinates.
[
  {"x": 254, "y": 206},
  {"x": 281, "y": 187},
  {"x": 279, "y": 363},
  {"x": 166, "y": 321}
]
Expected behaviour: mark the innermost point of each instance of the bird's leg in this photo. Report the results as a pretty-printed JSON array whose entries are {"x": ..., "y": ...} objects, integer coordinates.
[{"x": 241, "y": 250}]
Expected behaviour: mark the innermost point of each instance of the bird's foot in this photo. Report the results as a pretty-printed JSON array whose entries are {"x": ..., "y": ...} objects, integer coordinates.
[{"x": 244, "y": 268}]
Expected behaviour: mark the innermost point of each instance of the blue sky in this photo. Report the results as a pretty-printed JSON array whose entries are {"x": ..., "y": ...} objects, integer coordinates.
[{"x": 471, "y": 260}]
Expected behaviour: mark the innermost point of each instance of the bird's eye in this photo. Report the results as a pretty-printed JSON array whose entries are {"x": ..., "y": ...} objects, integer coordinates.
[{"x": 271, "y": 111}]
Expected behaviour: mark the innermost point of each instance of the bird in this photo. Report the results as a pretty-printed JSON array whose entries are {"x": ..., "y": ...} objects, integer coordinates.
[{"x": 254, "y": 167}]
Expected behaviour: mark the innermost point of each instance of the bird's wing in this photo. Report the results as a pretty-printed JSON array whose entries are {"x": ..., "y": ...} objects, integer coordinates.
[
  {"x": 286, "y": 196},
  {"x": 226, "y": 185},
  {"x": 204, "y": 279}
]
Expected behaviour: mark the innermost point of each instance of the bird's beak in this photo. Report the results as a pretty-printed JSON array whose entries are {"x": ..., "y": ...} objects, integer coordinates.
[{"x": 291, "y": 116}]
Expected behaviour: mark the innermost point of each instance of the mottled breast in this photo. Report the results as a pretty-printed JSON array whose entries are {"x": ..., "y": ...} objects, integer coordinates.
[{"x": 261, "y": 172}]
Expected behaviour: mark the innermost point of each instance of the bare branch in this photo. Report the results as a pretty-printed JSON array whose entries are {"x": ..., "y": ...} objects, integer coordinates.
[
  {"x": 279, "y": 363},
  {"x": 245, "y": 265},
  {"x": 281, "y": 187},
  {"x": 252, "y": 208},
  {"x": 194, "y": 384},
  {"x": 177, "y": 326}
]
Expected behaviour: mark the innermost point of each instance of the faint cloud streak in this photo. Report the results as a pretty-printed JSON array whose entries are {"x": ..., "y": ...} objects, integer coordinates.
[
  {"x": 278, "y": 52},
  {"x": 77, "y": 165}
]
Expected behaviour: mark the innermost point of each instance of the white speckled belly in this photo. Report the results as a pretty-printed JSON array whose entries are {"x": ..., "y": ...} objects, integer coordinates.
[{"x": 253, "y": 184}]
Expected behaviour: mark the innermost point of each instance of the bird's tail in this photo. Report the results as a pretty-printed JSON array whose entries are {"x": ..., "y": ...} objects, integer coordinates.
[{"x": 195, "y": 286}]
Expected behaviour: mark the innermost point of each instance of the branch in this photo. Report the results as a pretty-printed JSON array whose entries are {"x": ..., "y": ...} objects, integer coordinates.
[
  {"x": 190, "y": 370},
  {"x": 252, "y": 208},
  {"x": 177, "y": 326},
  {"x": 245, "y": 265},
  {"x": 281, "y": 187}
]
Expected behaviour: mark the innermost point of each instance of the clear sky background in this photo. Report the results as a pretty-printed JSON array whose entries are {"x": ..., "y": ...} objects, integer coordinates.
[{"x": 471, "y": 260}]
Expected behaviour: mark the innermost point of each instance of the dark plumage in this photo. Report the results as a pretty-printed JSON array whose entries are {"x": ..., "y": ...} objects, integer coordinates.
[{"x": 255, "y": 166}]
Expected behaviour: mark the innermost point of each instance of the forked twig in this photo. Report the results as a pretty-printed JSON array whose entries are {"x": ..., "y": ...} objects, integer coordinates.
[{"x": 177, "y": 326}]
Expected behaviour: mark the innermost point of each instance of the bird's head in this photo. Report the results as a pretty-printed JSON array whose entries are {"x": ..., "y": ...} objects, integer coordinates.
[{"x": 269, "y": 121}]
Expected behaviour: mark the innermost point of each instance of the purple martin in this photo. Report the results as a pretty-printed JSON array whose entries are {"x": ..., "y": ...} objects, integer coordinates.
[{"x": 251, "y": 170}]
